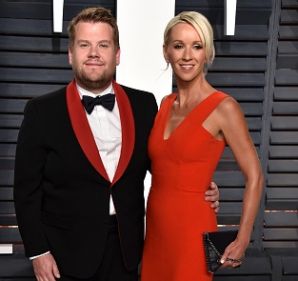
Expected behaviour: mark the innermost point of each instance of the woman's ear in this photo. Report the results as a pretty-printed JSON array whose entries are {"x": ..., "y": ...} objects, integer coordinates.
[{"x": 165, "y": 54}]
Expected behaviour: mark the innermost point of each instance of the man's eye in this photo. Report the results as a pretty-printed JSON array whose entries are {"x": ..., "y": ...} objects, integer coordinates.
[{"x": 103, "y": 45}]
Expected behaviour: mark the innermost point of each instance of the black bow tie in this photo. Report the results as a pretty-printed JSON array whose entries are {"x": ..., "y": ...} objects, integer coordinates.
[{"x": 107, "y": 101}]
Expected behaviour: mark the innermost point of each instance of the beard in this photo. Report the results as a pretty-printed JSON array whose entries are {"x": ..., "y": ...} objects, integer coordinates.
[{"x": 98, "y": 83}]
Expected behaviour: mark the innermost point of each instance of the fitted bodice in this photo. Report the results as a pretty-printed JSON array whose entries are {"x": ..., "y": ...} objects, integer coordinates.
[{"x": 189, "y": 150}]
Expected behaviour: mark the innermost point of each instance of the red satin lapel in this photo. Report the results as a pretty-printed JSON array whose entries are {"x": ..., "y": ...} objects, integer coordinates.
[
  {"x": 128, "y": 130},
  {"x": 82, "y": 129}
]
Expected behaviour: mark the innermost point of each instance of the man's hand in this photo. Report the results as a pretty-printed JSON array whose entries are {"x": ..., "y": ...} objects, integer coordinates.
[
  {"x": 45, "y": 268},
  {"x": 212, "y": 195}
]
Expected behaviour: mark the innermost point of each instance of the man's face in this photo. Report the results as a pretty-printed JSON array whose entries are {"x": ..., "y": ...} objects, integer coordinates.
[{"x": 94, "y": 56}]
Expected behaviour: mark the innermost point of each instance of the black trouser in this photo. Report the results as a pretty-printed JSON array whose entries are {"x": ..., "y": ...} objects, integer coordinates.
[{"x": 112, "y": 267}]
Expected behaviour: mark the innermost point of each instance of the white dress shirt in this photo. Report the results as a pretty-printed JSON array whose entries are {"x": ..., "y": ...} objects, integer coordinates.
[{"x": 106, "y": 129}]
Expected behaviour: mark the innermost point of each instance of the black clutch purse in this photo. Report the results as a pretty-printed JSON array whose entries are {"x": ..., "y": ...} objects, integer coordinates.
[{"x": 215, "y": 244}]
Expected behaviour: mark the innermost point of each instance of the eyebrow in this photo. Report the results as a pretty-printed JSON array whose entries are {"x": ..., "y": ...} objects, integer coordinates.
[
  {"x": 101, "y": 41},
  {"x": 181, "y": 41}
]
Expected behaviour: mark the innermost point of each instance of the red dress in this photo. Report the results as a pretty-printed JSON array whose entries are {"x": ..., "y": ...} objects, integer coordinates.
[{"x": 177, "y": 213}]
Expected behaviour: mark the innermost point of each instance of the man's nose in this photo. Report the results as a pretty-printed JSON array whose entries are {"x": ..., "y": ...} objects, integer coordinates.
[{"x": 93, "y": 51}]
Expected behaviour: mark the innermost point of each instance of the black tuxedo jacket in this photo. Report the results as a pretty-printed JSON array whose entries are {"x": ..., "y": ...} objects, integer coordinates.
[{"x": 62, "y": 189}]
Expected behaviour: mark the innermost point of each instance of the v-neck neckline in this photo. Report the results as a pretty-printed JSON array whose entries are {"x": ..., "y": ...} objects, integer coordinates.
[{"x": 184, "y": 120}]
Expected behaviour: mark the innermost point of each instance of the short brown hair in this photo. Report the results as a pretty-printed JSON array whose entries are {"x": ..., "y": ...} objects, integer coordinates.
[{"x": 93, "y": 14}]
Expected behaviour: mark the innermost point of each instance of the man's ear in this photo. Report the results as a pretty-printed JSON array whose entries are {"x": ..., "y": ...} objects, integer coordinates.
[
  {"x": 118, "y": 56},
  {"x": 70, "y": 55}
]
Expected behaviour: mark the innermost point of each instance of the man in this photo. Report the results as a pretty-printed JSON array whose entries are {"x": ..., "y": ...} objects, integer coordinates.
[{"x": 81, "y": 160}]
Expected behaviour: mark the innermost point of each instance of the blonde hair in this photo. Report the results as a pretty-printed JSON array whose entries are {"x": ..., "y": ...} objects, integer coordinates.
[{"x": 201, "y": 24}]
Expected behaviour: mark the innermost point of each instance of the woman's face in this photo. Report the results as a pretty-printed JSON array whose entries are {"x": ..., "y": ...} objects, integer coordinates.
[{"x": 185, "y": 52}]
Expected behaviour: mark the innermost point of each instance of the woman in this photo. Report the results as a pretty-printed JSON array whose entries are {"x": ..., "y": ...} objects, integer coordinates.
[{"x": 189, "y": 135}]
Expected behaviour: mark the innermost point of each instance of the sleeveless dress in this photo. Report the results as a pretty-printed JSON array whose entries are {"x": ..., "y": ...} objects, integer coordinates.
[{"x": 182, "y": 167}]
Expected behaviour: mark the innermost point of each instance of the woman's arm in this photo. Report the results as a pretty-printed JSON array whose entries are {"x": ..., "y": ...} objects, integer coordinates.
[{"x": 233, "y": 126}]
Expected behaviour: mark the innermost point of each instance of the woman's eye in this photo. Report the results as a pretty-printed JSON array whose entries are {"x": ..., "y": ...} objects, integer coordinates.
[
  {"x": 178, "y": 46},
  {"x": 198, "y": 47}
]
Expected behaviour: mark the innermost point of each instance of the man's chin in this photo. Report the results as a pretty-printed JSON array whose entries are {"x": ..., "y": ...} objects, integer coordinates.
[{"x": 94, "y": 84}]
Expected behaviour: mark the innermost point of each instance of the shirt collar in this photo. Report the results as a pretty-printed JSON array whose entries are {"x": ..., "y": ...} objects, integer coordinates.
[{"x": 84, "y": 92}]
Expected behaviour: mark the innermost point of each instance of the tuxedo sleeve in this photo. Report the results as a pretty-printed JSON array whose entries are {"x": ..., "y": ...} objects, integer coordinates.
[
  {"x": 29, "y": 163},
  {"x": 154, "y": 109}
]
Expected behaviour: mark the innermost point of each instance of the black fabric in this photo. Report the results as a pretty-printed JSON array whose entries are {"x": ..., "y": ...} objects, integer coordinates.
[
  {"x": 107, "y": 101},
  {"x": 112, "y": 267},
  {"x": 62, "y": 202}
]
